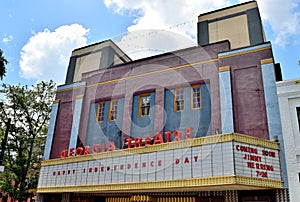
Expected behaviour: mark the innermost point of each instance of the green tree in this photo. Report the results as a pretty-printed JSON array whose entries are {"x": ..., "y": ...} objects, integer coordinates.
[
  {"x": 3, "y": 62},
  {"x": 29, "y": 110}
]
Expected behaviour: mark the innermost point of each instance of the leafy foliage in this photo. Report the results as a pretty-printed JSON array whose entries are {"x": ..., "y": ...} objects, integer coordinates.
[
  {"x": 3, "y": 62},
  {"x": 8, "y": 184},
  {"x": 29, "y": 111}
]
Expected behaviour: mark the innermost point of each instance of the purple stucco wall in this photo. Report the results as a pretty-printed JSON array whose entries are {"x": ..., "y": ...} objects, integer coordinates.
[
  {"x": 248, "y": 92},
  {"x": 180, "y": 68}
]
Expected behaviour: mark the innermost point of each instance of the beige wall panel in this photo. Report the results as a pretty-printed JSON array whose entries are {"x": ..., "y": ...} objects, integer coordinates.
[
  {"x": 234, "y": 29},
  {"x": 117, "y": 60},
  {"x": 86, "y": 64}
]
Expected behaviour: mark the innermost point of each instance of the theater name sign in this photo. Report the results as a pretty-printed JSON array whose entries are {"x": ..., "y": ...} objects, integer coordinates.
[{"x": 222, "y": 162}]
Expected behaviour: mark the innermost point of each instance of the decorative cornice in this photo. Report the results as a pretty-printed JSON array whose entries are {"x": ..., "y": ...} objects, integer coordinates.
[
  {"x": 266, "y": 61},
  {"x": 224, "y": 69},
  {"x": 238, "y": 181},
  {"x": 56, "y": 101},
  {"x": 78, "y": 97},
  {"x": 243, "y": 52}
]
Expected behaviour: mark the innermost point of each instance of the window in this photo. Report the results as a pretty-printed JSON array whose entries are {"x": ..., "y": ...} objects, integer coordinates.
[
  {"x": 298, "y": 116},
  {"x": 178, "y": 100},
  {"x": 113, "y": 110},
  {"x": 298, "y": 158},
  {"x": 196, "y": 97},
  {"x": 144, "y": 105},
  {"x": 100, "y": 112}
]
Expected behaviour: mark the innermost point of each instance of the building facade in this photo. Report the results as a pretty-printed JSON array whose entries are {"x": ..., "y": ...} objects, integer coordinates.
[
  {"x": 289, "y": 103},
  {"x": 198, "y": 124}
]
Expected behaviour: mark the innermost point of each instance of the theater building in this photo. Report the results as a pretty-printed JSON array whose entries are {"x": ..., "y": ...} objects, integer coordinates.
[{"x": 197, "y": 124}]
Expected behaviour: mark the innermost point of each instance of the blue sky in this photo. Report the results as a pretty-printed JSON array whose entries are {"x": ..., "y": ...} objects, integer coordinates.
[{"x": 37, "y": 37}]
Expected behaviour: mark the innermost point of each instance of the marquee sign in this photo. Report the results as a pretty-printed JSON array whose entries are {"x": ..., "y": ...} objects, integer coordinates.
[
  {"x": 196, "y": 158},
  {"x": 255, "y": 161},
  {"x": 130, "y": 142}
]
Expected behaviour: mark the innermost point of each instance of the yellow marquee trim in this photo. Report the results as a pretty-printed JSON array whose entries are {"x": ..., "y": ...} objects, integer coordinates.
[
  {"x": 32, "y": 191},
  {"x": 167, "y": 184},
  {"x": 141, "y": 198},
  {"x": 213, "y": 139}
]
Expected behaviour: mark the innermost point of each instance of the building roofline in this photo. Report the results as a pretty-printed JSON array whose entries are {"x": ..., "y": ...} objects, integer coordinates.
[
  {"x": 167, "y": 53},
  {"x": 93, "y": 44},
  {"x": 294, "y": 81},
  {"x": 222, "y": 9},
  {"x": 109, "y": 43}
]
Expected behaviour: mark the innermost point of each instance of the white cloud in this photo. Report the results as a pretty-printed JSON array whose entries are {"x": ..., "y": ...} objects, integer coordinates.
[
  {"x": 147, "y": 42},
  {"x": 159, "y": 21},
  {"x": 156, "y": 14},
  {"x": 46, "y": 55},
  {"x": 7, "y": 39},
  {"x": 283, "y": 17}
]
